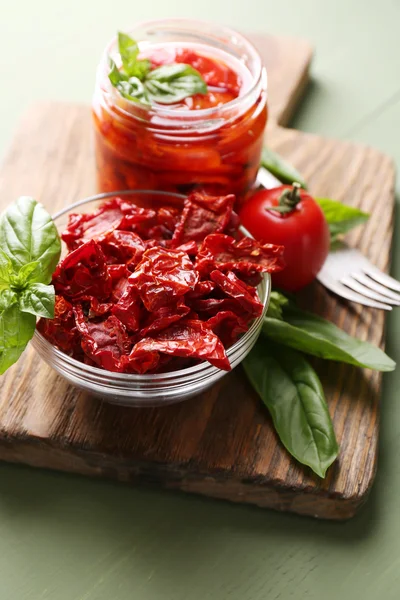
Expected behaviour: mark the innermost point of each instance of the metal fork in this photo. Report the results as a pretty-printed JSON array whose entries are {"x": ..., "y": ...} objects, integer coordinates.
[{"x": 347, "y": 272}]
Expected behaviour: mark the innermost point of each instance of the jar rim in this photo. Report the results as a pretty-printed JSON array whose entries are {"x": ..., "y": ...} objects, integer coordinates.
[{"x": 260, "y": 78}]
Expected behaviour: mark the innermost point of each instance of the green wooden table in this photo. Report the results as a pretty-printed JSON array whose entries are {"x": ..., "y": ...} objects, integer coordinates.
[{"x": 67, "y": 538}]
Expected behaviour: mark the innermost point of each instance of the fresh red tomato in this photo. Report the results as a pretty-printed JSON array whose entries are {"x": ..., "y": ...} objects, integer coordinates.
[{"x": 300, "y": 227}]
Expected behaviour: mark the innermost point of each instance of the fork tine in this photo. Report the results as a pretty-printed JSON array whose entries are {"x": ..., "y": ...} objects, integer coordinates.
[
  {"x": 377, "y": 287},
  {"x": 341, "y": 290},
  {"x": 382, "y": 278},
  {"x": 364, "y": 291}
]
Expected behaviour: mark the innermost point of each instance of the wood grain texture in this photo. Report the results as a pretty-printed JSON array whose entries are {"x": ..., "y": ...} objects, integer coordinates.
[{"x": 221, "y": 443}]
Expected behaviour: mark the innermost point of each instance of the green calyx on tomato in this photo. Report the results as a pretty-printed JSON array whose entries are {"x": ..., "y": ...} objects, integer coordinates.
[
  {"x": 288, "y": 200},
  {"x": 289, "y": 216}
]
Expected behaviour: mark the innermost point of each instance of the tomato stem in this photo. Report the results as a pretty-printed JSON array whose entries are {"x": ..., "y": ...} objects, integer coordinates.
[{"x": 288, "y": 200}]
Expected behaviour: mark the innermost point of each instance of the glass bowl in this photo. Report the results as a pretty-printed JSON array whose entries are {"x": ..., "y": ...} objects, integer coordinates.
[{"x": 147, "y": 389}]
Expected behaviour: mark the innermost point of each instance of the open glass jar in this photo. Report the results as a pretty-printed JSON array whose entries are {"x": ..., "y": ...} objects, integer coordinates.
[{"x": 173, "y": 148}]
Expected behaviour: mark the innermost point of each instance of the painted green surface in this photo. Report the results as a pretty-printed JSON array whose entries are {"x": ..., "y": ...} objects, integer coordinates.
[{"x": 67, "y": 538}]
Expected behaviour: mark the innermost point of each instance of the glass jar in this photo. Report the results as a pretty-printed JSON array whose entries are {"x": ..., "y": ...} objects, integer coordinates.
[{"x": 159, "y": 147}]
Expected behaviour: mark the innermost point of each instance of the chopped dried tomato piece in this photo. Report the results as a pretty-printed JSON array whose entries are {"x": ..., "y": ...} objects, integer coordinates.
[
  {"x": 235, "y": 288},
  {"x": 208, "y": 307},
  {"x": 145, "y": 363},
  {"x": 104, "y": 342},
  {"x": 201, "y": 289},
  {"x": 123, "y": 246},
  {"x": 83, "y": 272},
  {"x": 163, "y": 318},
  {"x": 232, "y": 227},
  {"x": 137, "y": 219},
  {"x": 188, "y": 339},
  {"x": 98, "y": 309},
  {"x": 116, "y": 272},
  {"x": 169, "y": 217},
  {"x": 61, "y": 331},
  {"x": 243, "y": 256},
  {"x": 227, "y": 326},
  {"x": 201, "y": 216},
  {"x": 128, "y": 309},
  {"x": 190, "y": 248},
  {"x": 163, "y": 276},
  {"x": 84, "y": 227}
]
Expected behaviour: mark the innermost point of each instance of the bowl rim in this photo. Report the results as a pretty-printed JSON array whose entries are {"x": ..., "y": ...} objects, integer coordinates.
[{"x": 199, "y": 369}]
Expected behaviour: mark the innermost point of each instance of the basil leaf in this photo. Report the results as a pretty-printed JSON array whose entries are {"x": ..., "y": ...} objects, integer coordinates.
[
  {"x": 292, "y": 392},
  {"x": 16, "y": 329},
  {"x": 6, "y": 270},
  {"x": 114, "y": 75},
  {"x": 129, "y": 50},
  {"x": 341, "y": 217},
  {"x": 28, "y": 234},
  {"x": 172, "y": 83},
  {"x": 282, "y": 170},
  {"x": 38, "y": 299},
  {"x": 134, "y": 90},
  {"x": 317, "y": 336},
  {"x": 276, "y": 302},
  {"x": 29, "y": 273}
]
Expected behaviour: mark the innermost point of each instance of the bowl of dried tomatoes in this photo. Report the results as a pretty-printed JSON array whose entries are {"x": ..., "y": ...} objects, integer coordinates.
[{"x": 158, "y": 295}]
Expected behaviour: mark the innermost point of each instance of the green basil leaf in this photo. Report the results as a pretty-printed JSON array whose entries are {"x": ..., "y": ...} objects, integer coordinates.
[
  {"x": 38, "y": 299},
  {"x": 292, "y": 392},
  {"x": 28, "y": 234},
  {"x": 172, "y": 83},
  {"x": 30, "y": 273},
  {"x": 16, "y": 329},
  {"x": 115, "y": 75},
  {"x": 134, "y": 90},
  {"x": 6, "y": 270},
  {"x": 129, "y": 50},
  {"x": 341, "y": 217},
  {"x": 317, "y": 336},
  {"x": 282, "y": 170},
  {"x": 7, "y": 298},
  {"x": 141, "y": 69},
  {"x": 276, "y": 302}
]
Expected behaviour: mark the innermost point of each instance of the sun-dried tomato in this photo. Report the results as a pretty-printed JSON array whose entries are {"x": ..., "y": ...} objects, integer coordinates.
[
  {"x": 188, "y": 339},
  {"x": 98, "y": 309},
  {"x": 105, "y": 342},
  {"x": 83, "y": 272},
  {"x": 201, "y": 289},
  {"x": 190, "y": 248},
  {"x": 201, "y": 216},
  {"x": 116, "y": 272},
  {"x": 208, "y": 307},
  {"x": 61, "y": 330},
  {"x": 163, "y": 318},
  {"x": 84, "y": 227},
  {"x": 163, "y": 276},
  {"x": 128, "y": 309},
  {"x": 244, "y": 256},
  {"x": 228, "y": 326},
  {"x": 122, "y": 247},
  {"x": 233, "y": 287}
]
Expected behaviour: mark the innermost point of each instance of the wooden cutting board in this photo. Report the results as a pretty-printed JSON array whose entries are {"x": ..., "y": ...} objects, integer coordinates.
[{"x": 222, "y": 443}]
